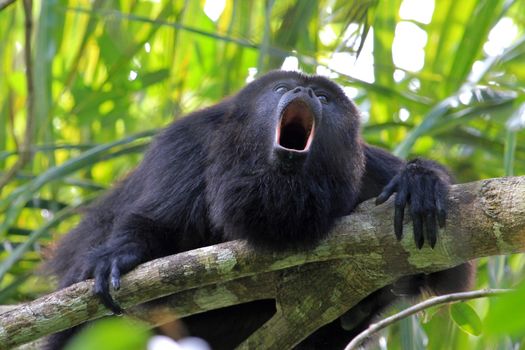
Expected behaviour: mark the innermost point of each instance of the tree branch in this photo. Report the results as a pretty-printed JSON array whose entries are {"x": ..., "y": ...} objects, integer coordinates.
[
  {"x": 414, "y": 309},
  {"x": 362, "y": 254}
]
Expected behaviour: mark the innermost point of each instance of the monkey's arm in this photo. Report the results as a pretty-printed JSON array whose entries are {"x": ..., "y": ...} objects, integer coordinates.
[
  {"x": 161, "y": 210},
  {"x": 133, "y": 241}
]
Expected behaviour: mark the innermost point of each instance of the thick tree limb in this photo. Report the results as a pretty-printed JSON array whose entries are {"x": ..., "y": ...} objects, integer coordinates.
[{"x": 485, "y": 218}]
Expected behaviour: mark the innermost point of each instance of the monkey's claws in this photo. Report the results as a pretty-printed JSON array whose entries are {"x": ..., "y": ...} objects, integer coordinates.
[
  {"x": 424, "y": 187},
  {"x": 108, "y": 267}
]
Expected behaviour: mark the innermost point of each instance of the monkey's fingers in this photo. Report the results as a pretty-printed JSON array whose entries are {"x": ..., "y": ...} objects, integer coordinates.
[
  {"x": 124, "y": 263},
  {"x": 428, "y": 208},
  {"x": 416, "y": 211},
  {"x": 440, "y": 195},
  {"x": 431, "y": 228},
  {"x": 115, "y": 275},
  {"x": 417, "y": 221},
  {"x": 389, "y": 189},
  {"x": 400, "y": 204},
  {"x": 101, "y": 288}
]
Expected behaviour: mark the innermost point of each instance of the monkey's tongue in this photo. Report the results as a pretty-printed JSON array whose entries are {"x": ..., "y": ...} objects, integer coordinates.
[{"x": 296, "y": 127}]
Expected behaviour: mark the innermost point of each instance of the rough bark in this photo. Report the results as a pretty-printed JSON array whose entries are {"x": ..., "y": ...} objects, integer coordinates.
[{"x": 311, "y": 288}]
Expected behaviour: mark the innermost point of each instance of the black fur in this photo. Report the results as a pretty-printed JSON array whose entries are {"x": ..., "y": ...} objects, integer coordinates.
[{"x": 220, "y": 174}]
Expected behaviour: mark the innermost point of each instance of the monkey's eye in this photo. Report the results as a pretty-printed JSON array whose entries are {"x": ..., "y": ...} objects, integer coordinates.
[
  {"x": 281, "y": 88},
  {"x": 323, "y": 98}
]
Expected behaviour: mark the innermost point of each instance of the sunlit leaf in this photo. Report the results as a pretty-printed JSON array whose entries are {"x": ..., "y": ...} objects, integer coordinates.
[
  {"x": 466, "y": 318},
  {"x": 507, "y": 314},
  {"x": 112, "y": 333}
]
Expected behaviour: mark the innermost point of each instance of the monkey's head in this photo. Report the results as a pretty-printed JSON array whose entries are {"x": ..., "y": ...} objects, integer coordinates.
[
  {"x": 291, "y": 117},
  {"x": 286, "y": 161}
]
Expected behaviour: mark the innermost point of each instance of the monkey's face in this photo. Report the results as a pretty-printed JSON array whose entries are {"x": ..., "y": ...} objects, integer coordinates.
[
  {"x": 297, "y": 113},
  {"x": 293, "y": 119}
]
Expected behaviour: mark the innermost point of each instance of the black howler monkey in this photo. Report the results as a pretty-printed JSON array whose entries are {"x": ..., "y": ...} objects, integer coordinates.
[{"x": 276, "y": 164}]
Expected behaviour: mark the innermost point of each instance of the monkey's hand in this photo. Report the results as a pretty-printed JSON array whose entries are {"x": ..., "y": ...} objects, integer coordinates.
[
  {"x": 423, "y": 185},
  {"x": 107, "y": 263}
]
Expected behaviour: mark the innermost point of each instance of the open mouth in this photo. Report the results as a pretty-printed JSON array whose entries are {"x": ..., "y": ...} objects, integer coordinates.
[{"x": 296, "y": 128}]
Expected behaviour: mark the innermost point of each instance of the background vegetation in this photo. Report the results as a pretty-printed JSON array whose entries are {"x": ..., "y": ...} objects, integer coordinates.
[{"x": 105, "y": 75}]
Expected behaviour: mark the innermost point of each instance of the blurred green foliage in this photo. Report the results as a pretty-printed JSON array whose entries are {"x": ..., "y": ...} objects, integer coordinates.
[
  {"x": 505, "y": 316},
  {"x": 108, "y": 74},
  {"x": 111, "y": 334}
]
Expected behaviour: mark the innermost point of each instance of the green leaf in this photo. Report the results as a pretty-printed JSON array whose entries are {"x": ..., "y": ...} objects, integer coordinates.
[
  {"x": 18, "y": 198},
  {"x": 510, "y": 151},
  {"x": 113, "y": 333},
  {"x": 155, "y": 77},
  {"x": 466, "y": 318},
  {"x": 17, "y": 254},
  {"x": 506, "y": 314},
  {"x": 483, "y": 16}
]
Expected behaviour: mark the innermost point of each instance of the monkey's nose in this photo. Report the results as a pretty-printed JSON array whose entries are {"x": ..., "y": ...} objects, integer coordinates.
[
  {"x": 301, "y": 89},
  {"x": 310, "y": 93}
]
